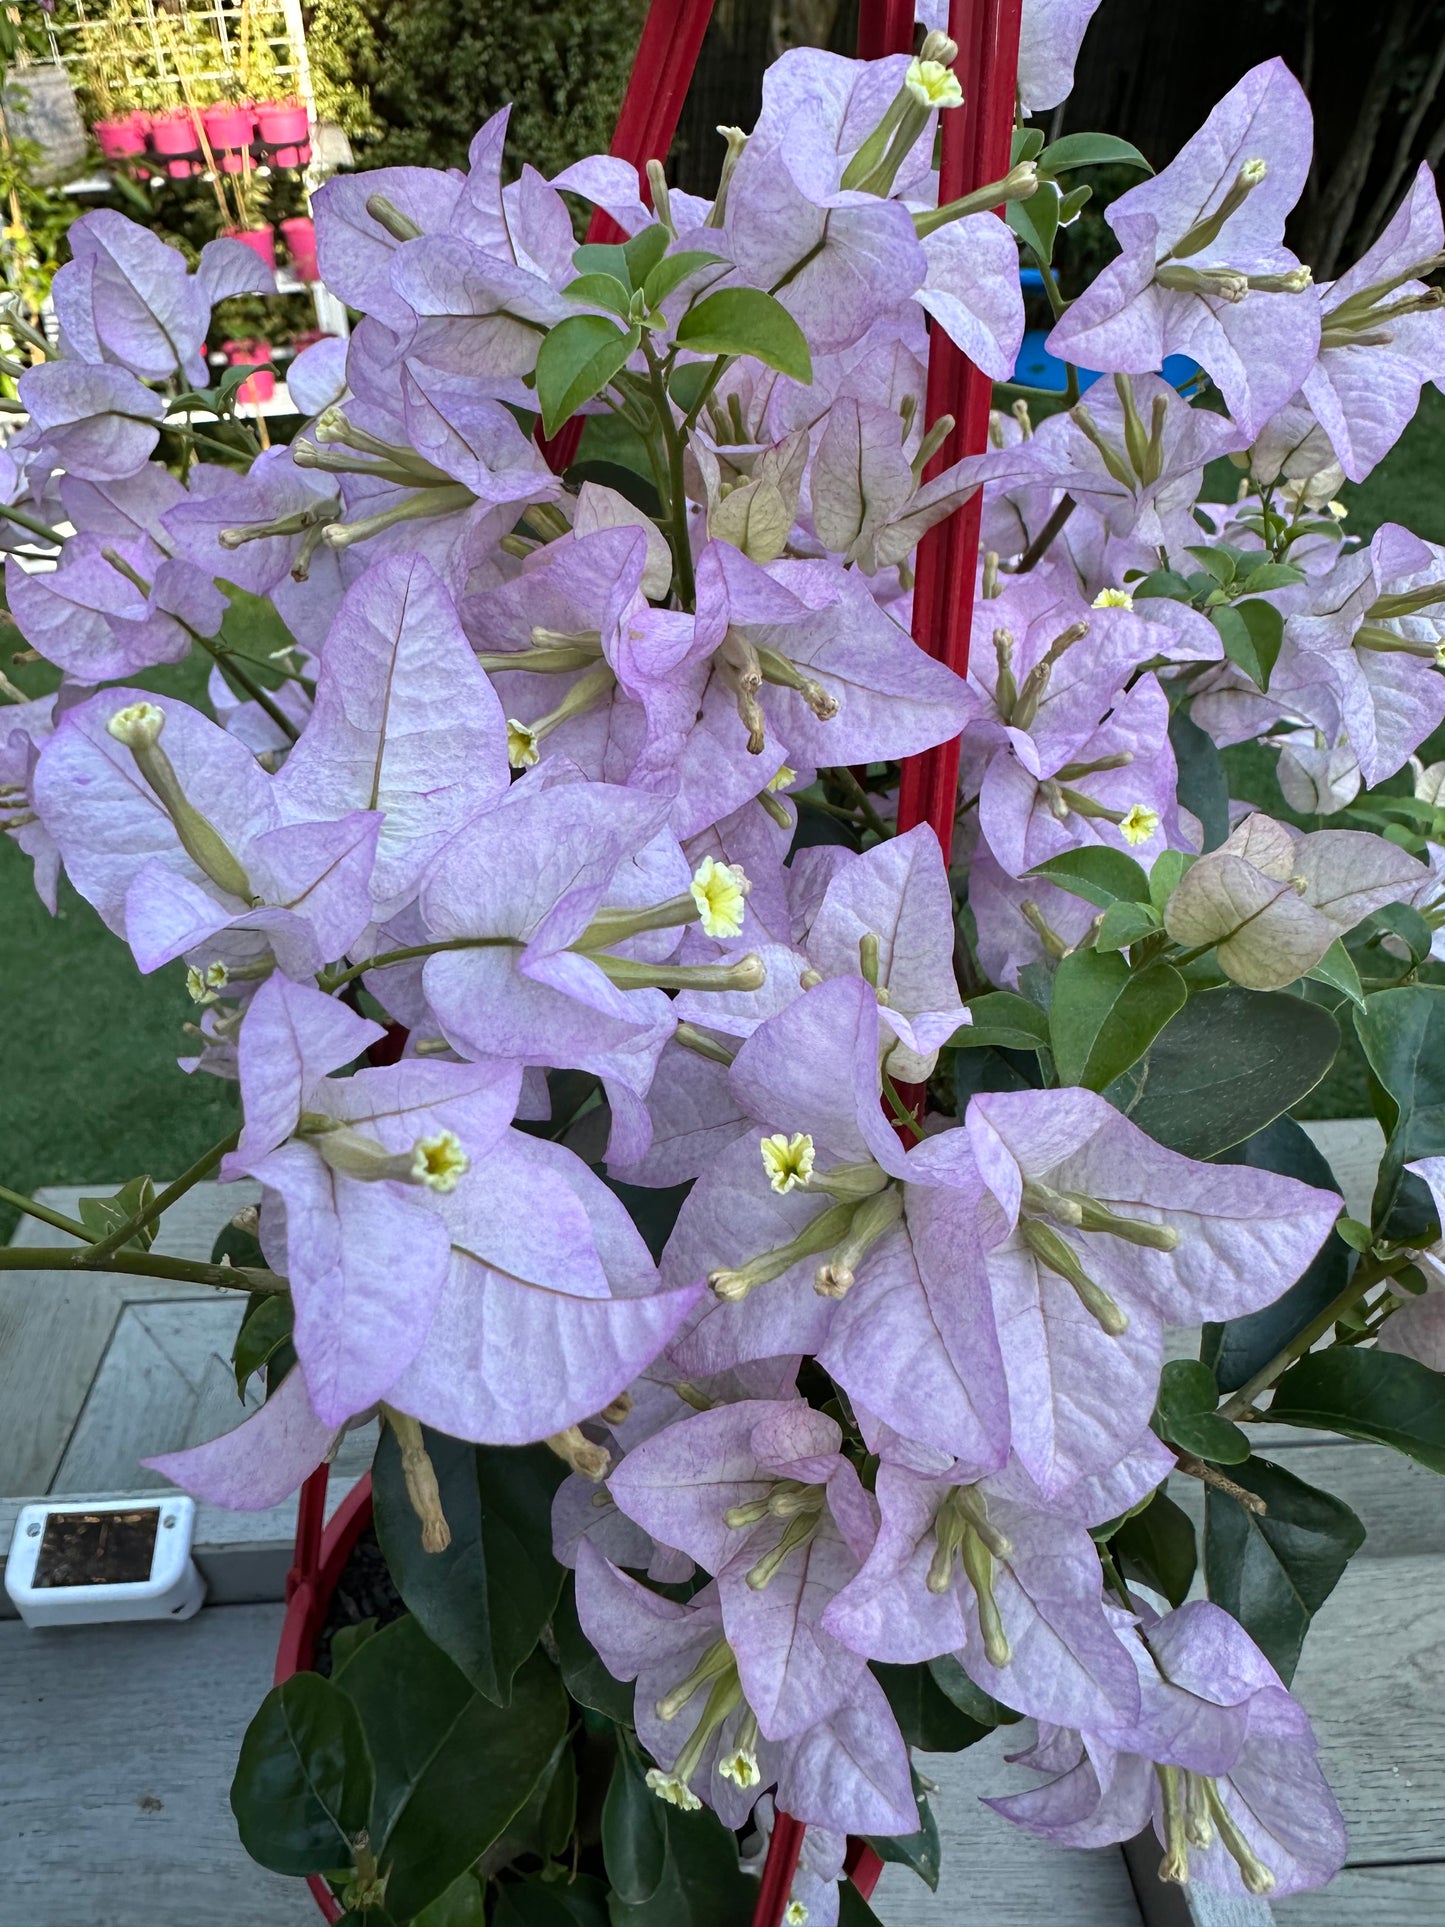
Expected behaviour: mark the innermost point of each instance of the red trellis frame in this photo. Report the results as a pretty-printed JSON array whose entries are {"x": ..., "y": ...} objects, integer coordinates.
[{"x": 976, "y": 147}]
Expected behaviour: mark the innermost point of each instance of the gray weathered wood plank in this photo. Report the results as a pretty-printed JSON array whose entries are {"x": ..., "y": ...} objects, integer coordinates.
[
  {"x": 120, "y": 1743},
  {"x": 1370, "y": 1676},
  {"x": 55, "y": 1327},
  {"x": 164, "y": 1384},
  {"x": 995, "y": 1874},
  {"x": 1371, "y": 1897}
]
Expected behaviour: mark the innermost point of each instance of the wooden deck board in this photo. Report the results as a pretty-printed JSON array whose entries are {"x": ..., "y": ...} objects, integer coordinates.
[
  {"x": 995, "y": 1874},
  {"x": 120, "y": 1742}
]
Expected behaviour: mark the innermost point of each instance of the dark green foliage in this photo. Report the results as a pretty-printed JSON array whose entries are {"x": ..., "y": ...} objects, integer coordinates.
[{"x": 412, "y": 80}]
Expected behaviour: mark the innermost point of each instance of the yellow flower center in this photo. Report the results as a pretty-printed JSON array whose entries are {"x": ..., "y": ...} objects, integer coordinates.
[
  {"x": 437, "y": 1162},
  {"x": 784, "y": 779},
  {"x": 205, "y": 985},
  {"x": 787, "y": 1161},
  {"x": 720, "y": 892},
  {"x": 1140, "y": 824},
  {"x": 740, "y": 1767},
  {"x": 676, "y": 1792},
  {"x": 1113, "y": 599},
  {"x": 794, "y": 1914},
  {"x": 932, "y": 84},
  {"x": 521, "y": 744}
]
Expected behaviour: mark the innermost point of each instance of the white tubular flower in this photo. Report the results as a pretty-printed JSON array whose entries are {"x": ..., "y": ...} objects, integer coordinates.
[
  {"x": 1139, "y": 824},
  {"x": 787, "y": 1161},
  {"x": 720, "y": 892},
  {"x": 439, "y": 1161},
  {"x": 932, "y": 84}
]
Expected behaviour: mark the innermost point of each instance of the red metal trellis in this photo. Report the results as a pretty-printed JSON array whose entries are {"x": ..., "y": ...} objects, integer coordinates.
[{"x": 976, "y": 142}]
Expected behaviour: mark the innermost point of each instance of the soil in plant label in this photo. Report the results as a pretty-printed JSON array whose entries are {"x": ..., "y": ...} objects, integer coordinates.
[{"x": 98, "y": 1548}]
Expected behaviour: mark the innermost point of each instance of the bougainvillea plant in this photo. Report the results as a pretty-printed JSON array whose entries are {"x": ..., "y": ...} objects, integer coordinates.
[{"x": 757, "y": 1236}]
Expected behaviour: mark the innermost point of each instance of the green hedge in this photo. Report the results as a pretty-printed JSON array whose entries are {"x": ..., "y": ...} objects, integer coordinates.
[{"x": 412, "y": 80}]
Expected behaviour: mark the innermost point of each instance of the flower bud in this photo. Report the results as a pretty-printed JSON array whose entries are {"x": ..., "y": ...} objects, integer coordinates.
[
  {"x": 574, "y": 1448},
  {"x": 1206, "y": 232},
  {"x": 139, "y": 727}
]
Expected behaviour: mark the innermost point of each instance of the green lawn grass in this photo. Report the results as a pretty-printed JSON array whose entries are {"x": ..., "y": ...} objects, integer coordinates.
[{"x": 88, "y": 1088}]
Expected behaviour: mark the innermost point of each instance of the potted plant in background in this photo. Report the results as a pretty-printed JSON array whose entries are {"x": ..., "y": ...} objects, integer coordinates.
[{"x": 751, "y": 1204}]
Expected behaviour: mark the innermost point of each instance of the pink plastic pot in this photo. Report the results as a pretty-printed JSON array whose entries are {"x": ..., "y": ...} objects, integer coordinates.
[
  {"x": 286, "y": 131},
  {"x": 249, "y": 354},
  {"x": 230, "y": 129},
  {"x": 119, "y": 139},
  {"x": 299, "y": 235},
  {"x": 260, "y": 240},
  {"x": 174, "y": 134}
]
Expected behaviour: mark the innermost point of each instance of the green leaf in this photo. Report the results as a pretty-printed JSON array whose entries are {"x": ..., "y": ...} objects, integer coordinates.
[
  {"x": 578, "y": 1901},
  {"x": 601, "y": 257},
  {"x": 1396, "y": 920},
  {"x": 1252, "y": 633},
  {"x": 1272, "y": 575},
  {"x": 304, "y": 1781},
  {"x": 1099, "y": 875},
  {"x": 1228, "y": 1064},
  {"x": 644, "y": 251},
  {"x": 1125, "y": 924},
  {"x": 853, "y": 1909},
  {"x": 347, "y": 1642},
  {"x": 1169, "y": 866},
  {"x": 1274, "y": 1570},
  {"x": 544, "y": 1825},
  {"x": 264, "y": 1330},
  {"x": 1382, "y": 1396},
  {"x": 991, "y": 1070},
  {"x": 587, "y": 1679},
  {"x": 452, "y": 1768},
  {"x": 672, "y": 272},
  {"x": 1156, "y": 1547},
  {"x": 1336, "y": 969},
  {"x": 1402, "y": 1033},
  {"x": 745, "y": 321},
  {"x": 634, "y": 1837},
  {"x": 1203, "y": 786},
  {"x": 921, "y": 1851},
  {"x": 1237, "y": 1350},
  {"x": 102, "y": 1216},
  {"x": 1036, "y": 220},
  {"x": 951, "y": 1680},
  {"x": 1074, "y": 202},
  {"x": 1026, "y": 145},
  {"x": 576, "y": 361},
  {"x": 486, "y": 1598},
  {"x": 252, "y": 629},
  {"x": 462, "y": 1905},
  {"x": 1165, "y": 583},
  {"x": 1000, "y": 1017},
  {"x": 1090, "y": 150},
  {"x": 1186, "y": 1415},
  {"x": 926, "y": 1716},
  {"x": 702, "y": 1883},
  {"x": 601, "y": 291},
  {"x": 1218, "y": 562},
  {"x": 1105, "y": 1016}
]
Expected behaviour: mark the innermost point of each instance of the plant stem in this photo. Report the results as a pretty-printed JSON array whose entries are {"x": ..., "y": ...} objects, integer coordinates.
[
  {"x": 1209, "y": 1474},
  {"x": 848, "y": 781},
  {"x": 162, "y": 1203},
  {"x": 1041, "y": 542},
  {"x": 32, "y": 525},
  {"x": 44, "y": 1214},
  {"x": 142, "y": 1264},
  {"x": 225, "y": 661},
  {"x": 331, "y": 980},
  {"x": 676, "y": 445},
  {"x": 1365, "y": 1276}
]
